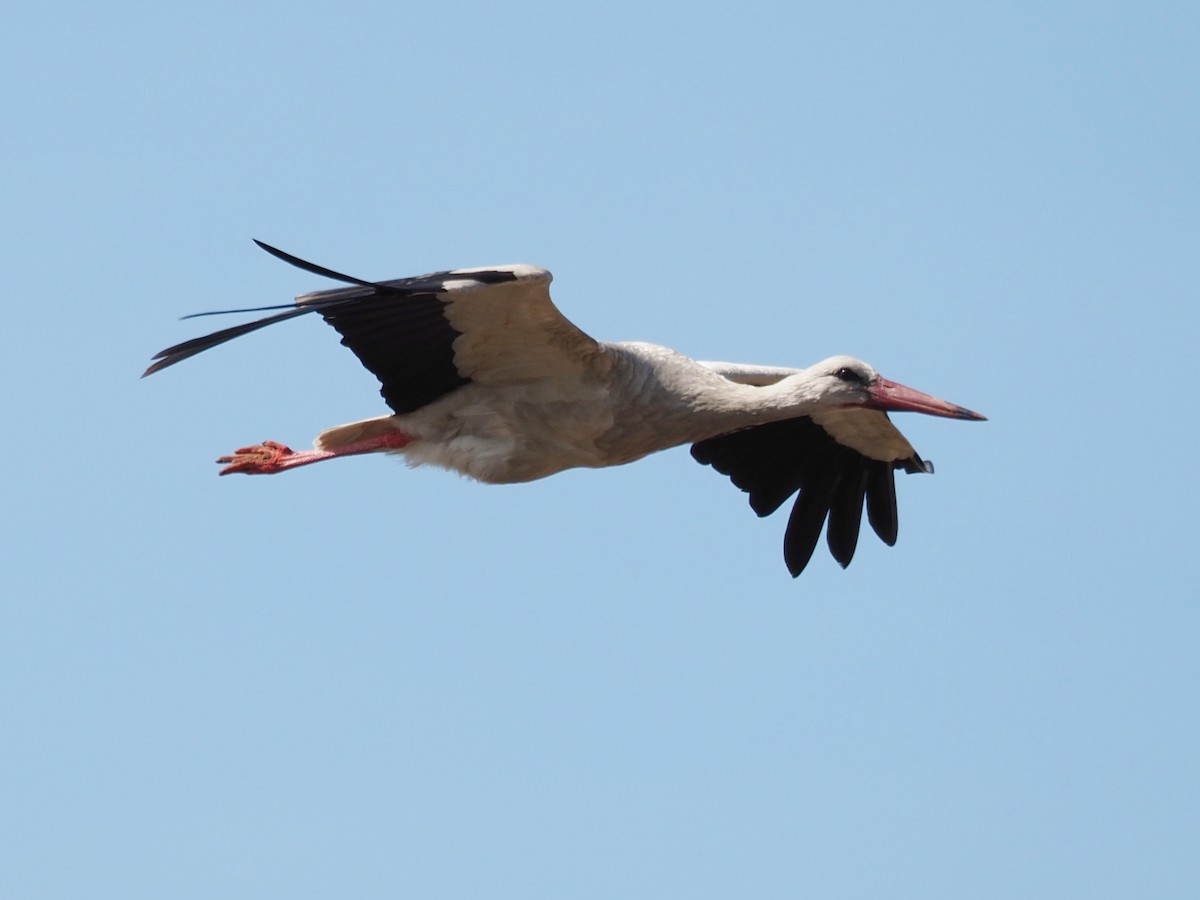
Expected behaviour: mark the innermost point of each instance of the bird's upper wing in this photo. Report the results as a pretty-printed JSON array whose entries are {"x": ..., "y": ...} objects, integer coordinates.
[
  {"x": 745, "y": 373},
  {"x": 423, "y": 337},
  {"x": 836, "y": 460}
]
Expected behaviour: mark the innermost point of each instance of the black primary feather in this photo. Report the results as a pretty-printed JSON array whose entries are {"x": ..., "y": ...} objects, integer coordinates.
[
  {"x": 397, "y": 329},
  {"x": 771, "y": 462}
]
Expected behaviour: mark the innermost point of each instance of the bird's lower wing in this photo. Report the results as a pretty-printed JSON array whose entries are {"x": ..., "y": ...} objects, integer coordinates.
[{"x": 773, "y": 461}]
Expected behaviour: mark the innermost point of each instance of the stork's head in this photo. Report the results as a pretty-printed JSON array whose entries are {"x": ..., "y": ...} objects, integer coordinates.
[{"x": 846, "y": 381}]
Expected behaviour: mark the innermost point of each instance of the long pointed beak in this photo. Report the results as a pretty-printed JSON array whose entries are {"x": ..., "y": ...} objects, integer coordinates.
[{"x": 891, "y": 396}]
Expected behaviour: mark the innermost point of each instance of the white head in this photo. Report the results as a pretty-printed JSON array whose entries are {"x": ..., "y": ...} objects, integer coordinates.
[{"x": 843, "y": 381}]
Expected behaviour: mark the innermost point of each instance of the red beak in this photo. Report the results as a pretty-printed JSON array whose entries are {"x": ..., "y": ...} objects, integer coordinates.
[{"x": 896, "y": 397}]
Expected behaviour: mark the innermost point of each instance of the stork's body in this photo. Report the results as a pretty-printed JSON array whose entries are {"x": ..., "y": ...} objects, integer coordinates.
[
  {"x": 630, "y": 401},
  {"x": 485, "y": 377}
]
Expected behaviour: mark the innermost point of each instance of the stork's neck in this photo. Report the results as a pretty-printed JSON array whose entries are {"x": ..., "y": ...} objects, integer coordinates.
[
  {"x": 727, "y": 406},
  {"x": 662, "y": 398}
]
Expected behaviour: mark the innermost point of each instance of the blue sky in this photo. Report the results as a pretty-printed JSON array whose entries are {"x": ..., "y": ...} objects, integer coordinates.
[{"x": 361, "y": 680}]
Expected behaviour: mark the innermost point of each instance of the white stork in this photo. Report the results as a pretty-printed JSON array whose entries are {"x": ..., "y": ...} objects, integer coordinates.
[{"x": 486, "y": 377}]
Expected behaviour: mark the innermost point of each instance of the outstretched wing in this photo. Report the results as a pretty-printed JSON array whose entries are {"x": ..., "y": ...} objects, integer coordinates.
[
  {"x": 423, "y": 337},
  {"x": 771, "y": 462}
]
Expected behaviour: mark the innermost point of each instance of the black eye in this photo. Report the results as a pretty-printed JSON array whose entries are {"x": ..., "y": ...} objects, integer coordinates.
[{"x": 845, "y": 373}]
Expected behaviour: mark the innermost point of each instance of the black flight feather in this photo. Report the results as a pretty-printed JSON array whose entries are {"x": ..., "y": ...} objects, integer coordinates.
[
  {"x": 773, "y": 461},
  {"x": 397, "y": 329}
]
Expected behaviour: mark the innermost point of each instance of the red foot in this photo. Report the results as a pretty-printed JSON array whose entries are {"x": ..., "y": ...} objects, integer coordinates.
[
  {"x": 270, "y": 457},
  {"x": 267, "y": 458}
]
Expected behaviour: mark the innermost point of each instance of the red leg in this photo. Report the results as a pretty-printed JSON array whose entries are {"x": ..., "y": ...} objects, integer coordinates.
[{"x": 270, "y": 457}]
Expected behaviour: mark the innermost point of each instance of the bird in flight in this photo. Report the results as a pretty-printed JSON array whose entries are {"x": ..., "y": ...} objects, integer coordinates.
[{"x": 484, "y": 376}]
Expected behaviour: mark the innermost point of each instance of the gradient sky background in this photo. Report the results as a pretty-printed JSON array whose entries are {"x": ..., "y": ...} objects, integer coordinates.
[{"x": 357, "y": 680}]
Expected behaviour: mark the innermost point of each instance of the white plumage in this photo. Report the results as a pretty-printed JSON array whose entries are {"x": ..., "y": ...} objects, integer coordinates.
[{"x": 486, "y": 377}]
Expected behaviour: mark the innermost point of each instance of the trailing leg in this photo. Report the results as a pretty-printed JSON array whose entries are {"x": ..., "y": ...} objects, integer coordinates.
[{"x": 270, "y": 457}]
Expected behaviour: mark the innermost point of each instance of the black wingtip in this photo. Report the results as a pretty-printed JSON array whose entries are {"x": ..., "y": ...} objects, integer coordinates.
[
  {"x": 187, "y": 349},
  {"x": 312, "y": 267},
  {"x": 180, "y": 352},
  {"x": 274, "y": 251},
  {"x": 914, "y": 465},
  {"x": 232, "y": 312}
]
